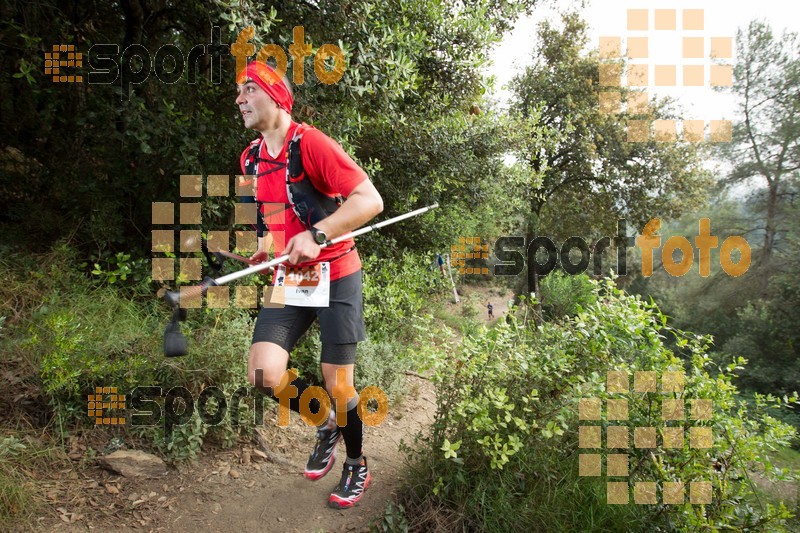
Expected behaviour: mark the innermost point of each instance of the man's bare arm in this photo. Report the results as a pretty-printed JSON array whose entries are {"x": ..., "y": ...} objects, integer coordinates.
[{"x": 362, "y": 205}]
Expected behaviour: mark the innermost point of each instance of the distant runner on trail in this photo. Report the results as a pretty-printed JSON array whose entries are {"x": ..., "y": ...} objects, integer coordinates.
[
  {"x": 491, "y": 309},
  {"x": 315, "y": 192},
  {"x": 440, "y": 262}
]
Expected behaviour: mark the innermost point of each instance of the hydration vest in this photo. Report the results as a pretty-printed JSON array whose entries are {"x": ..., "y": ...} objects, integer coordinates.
[{"x": 309, "y": 204}]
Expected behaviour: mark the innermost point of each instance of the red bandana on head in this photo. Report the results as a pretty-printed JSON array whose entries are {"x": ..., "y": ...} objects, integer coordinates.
[{"x": 265, "y": 77}]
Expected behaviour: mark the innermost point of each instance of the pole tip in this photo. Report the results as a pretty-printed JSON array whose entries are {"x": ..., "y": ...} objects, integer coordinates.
[
  {"x": 173, "y": 298},
  {"x": 175, "y": 344}
]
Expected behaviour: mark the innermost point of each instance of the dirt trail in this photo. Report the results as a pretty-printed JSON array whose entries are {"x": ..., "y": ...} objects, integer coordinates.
[
  {"x": 479, "y": 296},
  {"x": 271, "y": 497},
  {"x": 221, "y": 492}
]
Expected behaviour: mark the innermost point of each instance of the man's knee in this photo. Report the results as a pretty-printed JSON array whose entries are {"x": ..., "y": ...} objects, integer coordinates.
[
  {"x": 267, "y": 365},
  {"x": 265, "y": 377},
  {"x": 335, "y": 391},
  {"x": 340, "y": 387},
  {"x": 343, "y": 397}
]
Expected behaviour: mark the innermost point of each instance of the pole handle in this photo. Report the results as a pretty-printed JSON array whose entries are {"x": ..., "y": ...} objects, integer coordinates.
[
  {"x": 174, "y": 297},
  {"x": 282, "y": 259}
]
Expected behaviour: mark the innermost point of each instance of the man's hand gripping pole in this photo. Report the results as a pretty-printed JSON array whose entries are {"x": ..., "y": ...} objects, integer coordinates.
[{"x": 175, "y": 342}]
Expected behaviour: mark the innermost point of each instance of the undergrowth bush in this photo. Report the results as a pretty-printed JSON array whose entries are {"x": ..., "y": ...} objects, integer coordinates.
[
  {"x": 398, "y": 297},
  {"x": 77, "y": 333},
  {"x": 503, "y": 450},
  {"x": 563, "y": 294},
  {"x": 381, "y": 364},
  {"x": 217, "y": 358}
]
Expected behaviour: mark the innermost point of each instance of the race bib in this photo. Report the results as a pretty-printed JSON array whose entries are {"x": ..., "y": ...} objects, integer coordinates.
[{"x": 303, "y": 287}]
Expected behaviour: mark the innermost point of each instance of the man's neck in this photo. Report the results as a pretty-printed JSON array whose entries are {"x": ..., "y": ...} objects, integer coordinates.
[{"x": 276, "y": 135}]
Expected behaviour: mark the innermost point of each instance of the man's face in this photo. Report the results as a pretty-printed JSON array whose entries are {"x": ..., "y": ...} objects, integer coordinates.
[{"x": 257, "y": 107}]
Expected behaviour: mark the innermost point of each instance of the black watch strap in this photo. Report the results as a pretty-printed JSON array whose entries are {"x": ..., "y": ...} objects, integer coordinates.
[{"x": 319, "y": 236}]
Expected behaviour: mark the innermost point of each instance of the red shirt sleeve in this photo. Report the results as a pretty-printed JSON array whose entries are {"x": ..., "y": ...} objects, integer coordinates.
[
  {"x": 331, "y": 170},
  {"x": 242, "y": 160}
]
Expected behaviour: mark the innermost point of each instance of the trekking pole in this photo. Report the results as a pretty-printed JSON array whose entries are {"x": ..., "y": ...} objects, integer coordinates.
[
  {"x": 174, "y": 341},
  {"x": 453, "y": 283}
]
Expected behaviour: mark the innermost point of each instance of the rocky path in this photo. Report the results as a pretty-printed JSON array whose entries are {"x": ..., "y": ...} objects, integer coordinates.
[{"x": 240, "y": 489}]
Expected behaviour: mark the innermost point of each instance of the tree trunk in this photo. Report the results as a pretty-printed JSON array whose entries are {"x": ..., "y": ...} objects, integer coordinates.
[
  {"x": 134, "y": 22},
  {"x": 771, "y": 227},
  {"x": 532, "y": 275},
  {"x": 770, "y": 230}
]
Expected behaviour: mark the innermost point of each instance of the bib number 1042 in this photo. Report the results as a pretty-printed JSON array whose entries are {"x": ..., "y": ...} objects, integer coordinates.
[{"x": 302, "y": 277}]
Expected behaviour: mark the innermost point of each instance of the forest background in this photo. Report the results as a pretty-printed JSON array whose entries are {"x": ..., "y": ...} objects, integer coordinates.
[{"x": 82, "y": 164}]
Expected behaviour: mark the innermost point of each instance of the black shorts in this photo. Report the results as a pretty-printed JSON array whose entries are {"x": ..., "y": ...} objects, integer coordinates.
[{"x": 341, "y": 323}]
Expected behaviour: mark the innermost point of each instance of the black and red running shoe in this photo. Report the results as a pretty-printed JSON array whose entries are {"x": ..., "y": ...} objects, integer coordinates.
[
  {"x": 324, "y": 455},
  {"x": 355, "y": 480}
]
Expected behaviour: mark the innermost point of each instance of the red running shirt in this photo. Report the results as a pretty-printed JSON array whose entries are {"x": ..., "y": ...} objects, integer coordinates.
[{"x": 332, "y": 172}]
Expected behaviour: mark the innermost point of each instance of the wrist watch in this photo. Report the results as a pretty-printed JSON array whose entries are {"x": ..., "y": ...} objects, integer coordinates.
[{"x": 319, "y": 236}]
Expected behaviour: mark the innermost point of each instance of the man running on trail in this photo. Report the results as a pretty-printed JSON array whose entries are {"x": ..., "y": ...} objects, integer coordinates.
[
  {"x": 265, "y": 101},
  {"x": 491, "y": 310}
]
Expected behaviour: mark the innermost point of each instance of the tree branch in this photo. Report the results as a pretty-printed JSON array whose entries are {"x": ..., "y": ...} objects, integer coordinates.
[{"x": 749, "y": 127}]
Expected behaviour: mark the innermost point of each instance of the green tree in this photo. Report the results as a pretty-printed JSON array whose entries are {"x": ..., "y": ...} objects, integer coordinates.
[
  {"x": 767, "y": 335},
  {"x": 765, "y": 146},
  {"x": 752, "y": 315},
  {"x": 587, "y": 175},
  {"x": 412, "y": 72}
]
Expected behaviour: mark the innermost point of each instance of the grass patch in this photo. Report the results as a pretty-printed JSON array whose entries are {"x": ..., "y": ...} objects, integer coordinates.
[
  {"x": 67, "y": 333},
  {"x": 774, "y": 492},
  {"x": 24, "y": 459},
  {"x": 788, "y": 458},
  {"x": 539, "y": 495},
  {"x": 17, "y": 503},
  {"x": 460, "y": 323}
]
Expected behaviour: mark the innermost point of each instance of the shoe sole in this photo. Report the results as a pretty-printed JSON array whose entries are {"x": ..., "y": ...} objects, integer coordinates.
[
  {"x": 314, "y": 475},
  {"x": 319, "y": 474},
  {"x": 336, "y": 502}
]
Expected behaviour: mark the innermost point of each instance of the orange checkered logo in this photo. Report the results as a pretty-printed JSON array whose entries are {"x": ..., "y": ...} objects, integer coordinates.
[
  {"x": 189, "y": 265},
  {"x": 618, "y": 434},
  {"x": 466, "y": 252},
  {"x": 61, "y": 57},
  {"x": 691, "y": 69},
  {"x": 103, "y": 400}
]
